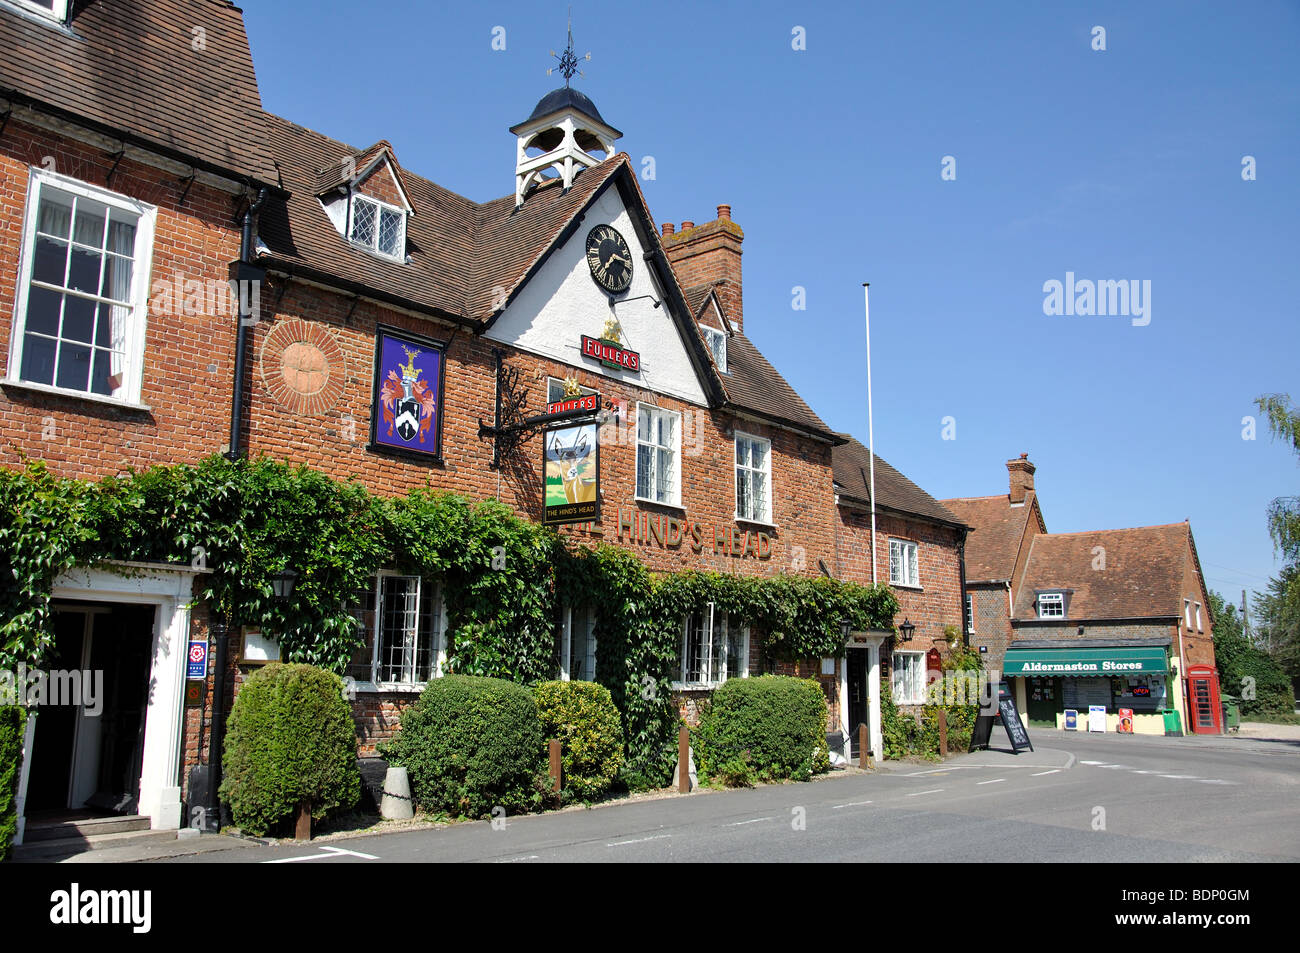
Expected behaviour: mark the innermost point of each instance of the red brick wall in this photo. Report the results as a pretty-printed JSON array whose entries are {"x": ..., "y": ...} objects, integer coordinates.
[{"x": 188, "y": 359}]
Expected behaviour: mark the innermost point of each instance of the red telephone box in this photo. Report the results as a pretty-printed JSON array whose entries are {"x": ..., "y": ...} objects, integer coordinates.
[{"x": 1205, "y": 711}]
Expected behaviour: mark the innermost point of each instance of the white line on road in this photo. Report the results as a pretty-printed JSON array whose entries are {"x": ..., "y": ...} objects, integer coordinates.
[
  {"x": 994, "y": 781},
  {"x": 751, "y": 821},
  {"x": 1181, "y": 777},
  {"x": 1039, "y": 774},
  {"x": 836, "y": 807},
  {"x": 919, "y": 793},
  {"x": 1215, "y": 781},
  {"x": 515, "y": 860},
  {"x": 638, "y": 840},
  {"x": 330, "y": 853},
  {"x": 1093, "y": 762}
]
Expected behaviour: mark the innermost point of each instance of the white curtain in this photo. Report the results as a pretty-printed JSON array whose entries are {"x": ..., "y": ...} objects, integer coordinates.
[{"x": 121, "y": 240}]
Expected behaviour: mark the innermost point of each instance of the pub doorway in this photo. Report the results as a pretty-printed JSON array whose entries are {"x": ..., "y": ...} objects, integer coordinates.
[{"x": 87, "y": 752}]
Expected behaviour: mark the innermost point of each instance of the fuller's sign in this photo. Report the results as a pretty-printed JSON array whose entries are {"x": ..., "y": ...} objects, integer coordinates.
[
  {"x": 611, "y": 354},
  {"x": 586, "y": 404}
]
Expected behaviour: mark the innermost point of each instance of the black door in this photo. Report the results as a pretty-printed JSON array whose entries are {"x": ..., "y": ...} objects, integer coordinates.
[
  {"x": 122, "y": 648},
  {"x": 858, "y": 706},
  {"x": 56, "y": 725}
]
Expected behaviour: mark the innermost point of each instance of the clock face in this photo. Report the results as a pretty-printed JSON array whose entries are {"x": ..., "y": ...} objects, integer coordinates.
[{"x": 609, "y": 258}]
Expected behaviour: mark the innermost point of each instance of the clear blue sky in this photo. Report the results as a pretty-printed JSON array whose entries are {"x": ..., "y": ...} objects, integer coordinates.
[{"x": 1122, "y": 164}]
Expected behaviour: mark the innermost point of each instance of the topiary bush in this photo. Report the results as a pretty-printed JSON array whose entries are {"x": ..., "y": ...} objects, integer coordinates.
[
  {"x": 583, "y": 717},
  {"x": 12, "y": 721},
  {"x": 763, "y": 729},
  {"x": 471, "y": 744},
  {"x": 290, "y": 740}
]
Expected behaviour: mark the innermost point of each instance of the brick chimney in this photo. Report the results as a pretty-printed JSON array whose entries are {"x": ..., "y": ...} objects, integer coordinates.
[
  {"x": 710, "y": 253},
  {"x": 1022, "y": 478}
]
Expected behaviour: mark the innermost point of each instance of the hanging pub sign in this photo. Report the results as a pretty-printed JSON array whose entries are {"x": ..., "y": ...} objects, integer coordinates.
[
  {"x": 406, "y": 411},
  {"x": 611, "y": 354},
  {"x": 571, "y": 468}
]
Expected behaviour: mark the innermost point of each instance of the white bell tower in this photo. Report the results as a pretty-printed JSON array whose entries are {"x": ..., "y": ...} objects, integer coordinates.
[{"x": 564, "y": 135}]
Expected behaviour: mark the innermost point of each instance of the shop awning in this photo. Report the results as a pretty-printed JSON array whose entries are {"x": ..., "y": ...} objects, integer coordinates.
[{"x": 1054, "y": 662}]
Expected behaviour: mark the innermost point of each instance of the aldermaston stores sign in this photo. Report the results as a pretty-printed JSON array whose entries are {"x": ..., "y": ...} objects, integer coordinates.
[{"x": 1024, "y": 660}]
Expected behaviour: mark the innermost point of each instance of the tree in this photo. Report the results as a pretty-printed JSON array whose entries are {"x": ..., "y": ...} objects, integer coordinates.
[
  {"x": 1277, "y": 619},
  {"x": 1284, "y": 512},
  {"x": 1244, "y": 670}
]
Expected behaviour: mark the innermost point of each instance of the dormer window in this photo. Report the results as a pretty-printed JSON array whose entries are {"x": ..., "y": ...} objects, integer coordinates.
[
  {"x": 1051, "y": 605},
  {"x": 378, "y": 227},
  {"x": 717, "y": 342}
]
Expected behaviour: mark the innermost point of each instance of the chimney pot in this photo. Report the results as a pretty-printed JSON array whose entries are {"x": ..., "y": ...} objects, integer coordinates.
[
  {"x": 1021, "y": 474},
  {"x": 669, "y": 228},
  {"x": 724, "y": 212},
  {"x": 686, "y": 225}
]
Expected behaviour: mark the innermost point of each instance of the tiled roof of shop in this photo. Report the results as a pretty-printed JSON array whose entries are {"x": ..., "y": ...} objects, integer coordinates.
[
  {"x": 996, "y": 530},
  {"x": 1142, "y": 578},
  {"x": 851, "y": 464},
  {"x": 133, "y": 67}
]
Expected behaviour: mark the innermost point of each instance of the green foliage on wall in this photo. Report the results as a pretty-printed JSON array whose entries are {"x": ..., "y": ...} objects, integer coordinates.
[
  {"x": 12, "y": 724},
  {"x": 506, "y": 578}
]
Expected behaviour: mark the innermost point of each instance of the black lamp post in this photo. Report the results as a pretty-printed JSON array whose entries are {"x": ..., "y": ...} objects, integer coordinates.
[
  {"x": 282, "y": 584},
  {"x": 906, "y": 630}
]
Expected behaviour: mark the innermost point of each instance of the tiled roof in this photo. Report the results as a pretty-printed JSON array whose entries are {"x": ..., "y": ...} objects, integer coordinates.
[
  {"x": 460, "y": 252},
  {"x": 851, "y": 464},
  {"x": 336, "y": 174},
  {"x": 1142, "y": 578},
  {"x": 133, "y": 68},
  {"x": 997, "y": 528}
]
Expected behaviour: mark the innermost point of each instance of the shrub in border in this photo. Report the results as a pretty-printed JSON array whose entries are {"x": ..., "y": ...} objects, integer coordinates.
[
  {"x": 583, "y": 717},
  {"x": 471, "y": 744},
  {"x": 290, "y": 740},
  {"x": 12, "y": 722},
  {"x": 768, "y": 728}
]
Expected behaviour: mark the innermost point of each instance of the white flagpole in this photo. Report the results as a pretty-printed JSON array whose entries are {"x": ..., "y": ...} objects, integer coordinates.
[{"x": 871, "y": 433}]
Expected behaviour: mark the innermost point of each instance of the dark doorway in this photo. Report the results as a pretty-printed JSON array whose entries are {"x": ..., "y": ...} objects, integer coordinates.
[
  {"x": 1043, "y": 701},
  {"x": 859, "y": 707},
  {"x": 81, "y": 759}
]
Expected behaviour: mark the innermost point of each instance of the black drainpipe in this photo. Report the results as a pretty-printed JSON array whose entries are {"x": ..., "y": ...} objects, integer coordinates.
[{"x": 241, "y": 271}]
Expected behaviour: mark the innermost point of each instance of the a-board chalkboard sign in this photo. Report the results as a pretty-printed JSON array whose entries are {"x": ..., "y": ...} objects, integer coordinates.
[{"x": 1016, "y": 733}]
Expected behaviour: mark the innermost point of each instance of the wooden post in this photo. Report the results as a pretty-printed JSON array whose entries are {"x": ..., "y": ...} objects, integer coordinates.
[
  {"x": 556, "y": 768},
  {"x": 684, "y": 760},
  {"x": 864, "y": 747},
  {"x": 302, "y": 825},
  {"x": 943, "y": 732}
]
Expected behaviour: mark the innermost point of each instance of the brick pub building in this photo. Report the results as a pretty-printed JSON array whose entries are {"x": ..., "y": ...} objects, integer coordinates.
[{"x": 395, "y": 318}]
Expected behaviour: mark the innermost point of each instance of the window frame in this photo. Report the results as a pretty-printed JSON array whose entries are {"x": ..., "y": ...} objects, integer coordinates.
[
  {"x": 1042, "y": 599},
  {"x": 39, "y": 180},
  {"x": 568, "y": 625},
  {"x": 438, "y": 648},
  {"x": 919, "y": 657},
  {"x": 766, "y": 516},
  {"x": 676, "y": 489},
  {"x": 970, "y": 613},
  {"x": 1187, "y": 614},
  {"x": 1199, "y": 626},
  {"x": 380, "y": 207},
  {"x": 709, "y": 681},
  {"x": 58, "y": 13},
  {"x": 915, "y": 548},
  {"x": 711, "y": 334},
  {"x": 552, "y": 381}
]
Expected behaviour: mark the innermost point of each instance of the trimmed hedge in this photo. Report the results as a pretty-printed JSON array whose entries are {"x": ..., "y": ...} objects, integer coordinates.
[
  {"x": 763, "y": 729},
  {"x": 471, "y": 744},
  {"x": 290, "y": 739},
  {"x": 12, "y": 721},
  {"x": 583, "y": 717}
]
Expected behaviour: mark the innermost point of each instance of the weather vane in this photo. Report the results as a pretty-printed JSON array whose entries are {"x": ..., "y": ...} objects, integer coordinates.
[{"x": 568, "y": 61}]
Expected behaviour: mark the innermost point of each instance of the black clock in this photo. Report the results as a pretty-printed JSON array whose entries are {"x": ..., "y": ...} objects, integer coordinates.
[{"x": 609, "y": 258}]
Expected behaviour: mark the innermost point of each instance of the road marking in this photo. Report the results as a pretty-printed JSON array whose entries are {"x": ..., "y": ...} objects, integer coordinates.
[
  {"x": 1092, "y": 762},
  {"x": 1181, "y": 777},
  {"x": 752, "y": 821},
  {"x": 919, "y": 793},
  {"x": 638, "y": 840},
  {"x": 1215, "y": 781},
  {"x": 1136, "y": 771},
  {"x": 1117, "y": 767},
  {"x": 329, "y": 854},
  {"x": 515, "y": 860},
  {"x": 836, "y": 807},
  {"x": 994, "y": 781},
  {"x": 1041, "y": 773}
]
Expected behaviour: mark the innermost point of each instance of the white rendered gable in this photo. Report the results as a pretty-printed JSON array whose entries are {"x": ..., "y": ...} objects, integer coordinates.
[{"x": 561, "y": 303}]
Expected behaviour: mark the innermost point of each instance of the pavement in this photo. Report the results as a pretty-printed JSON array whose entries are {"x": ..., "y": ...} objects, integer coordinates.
[{"x": 1076, "y": 797}]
